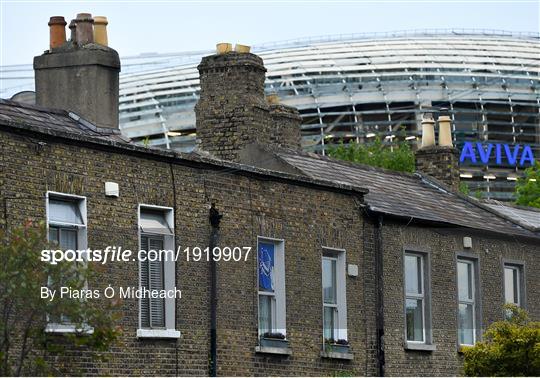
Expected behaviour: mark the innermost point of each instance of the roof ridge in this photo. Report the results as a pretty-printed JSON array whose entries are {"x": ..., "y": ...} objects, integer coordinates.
[
  {"x": 478, "y": 203},
  {"x": 350, "y": 163},
  {"x": 510, "y": 204}
]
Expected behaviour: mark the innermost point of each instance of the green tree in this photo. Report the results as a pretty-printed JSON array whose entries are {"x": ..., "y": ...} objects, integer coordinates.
[
  {"x": 24, "y": 343},
  {"x": 397, "y": 156},
  {"x": 528, "y": 187},
  {"x": 510, "y": 348}
]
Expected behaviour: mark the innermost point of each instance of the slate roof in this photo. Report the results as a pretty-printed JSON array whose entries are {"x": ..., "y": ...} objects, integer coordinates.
[
  {"x": 37, "y": 117},
  {"x": 67, "y": 125},
  {"x": 406, "y": 195},
  {"x": 527, "y": 217},
  {"x": 400, "y": 194}
]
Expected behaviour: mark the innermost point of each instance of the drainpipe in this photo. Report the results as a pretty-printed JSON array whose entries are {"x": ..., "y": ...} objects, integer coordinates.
[
  {"x": 379, "y": 301},
  {"x": 214, "y": 218}
]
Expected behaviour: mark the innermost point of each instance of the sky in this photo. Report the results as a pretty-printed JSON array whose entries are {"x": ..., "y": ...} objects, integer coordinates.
[{"x": 137, "y": 27}]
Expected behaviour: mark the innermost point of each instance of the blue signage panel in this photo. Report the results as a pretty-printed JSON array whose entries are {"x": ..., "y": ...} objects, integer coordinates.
[
  {"x": 266, "y": 266},
  {"x": 481, "y": 153}
]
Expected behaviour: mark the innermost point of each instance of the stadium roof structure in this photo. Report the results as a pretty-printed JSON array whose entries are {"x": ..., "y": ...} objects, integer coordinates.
[{"x": 354, "y": 87}]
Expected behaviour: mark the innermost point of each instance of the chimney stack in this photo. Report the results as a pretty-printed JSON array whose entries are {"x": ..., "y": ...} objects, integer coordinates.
[
  {"x": 81, "y": 76},
  {"x": 287, "y": 123},
  {"x": 233, "y": 112},
  {"x": 439, "y": 161}
]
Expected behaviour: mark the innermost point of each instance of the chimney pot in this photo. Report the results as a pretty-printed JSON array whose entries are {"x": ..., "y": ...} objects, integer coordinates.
[
  {"x": 73, "y": 31},
  {"x": 84, "y": 29},
  {"x": 243, "y": 49},
  {"x": 428, "y": 130},
  {"x": 223, "y": 47},
  {"x": 57, "y": 29},
  {"x": 445, "y": 131},
  {"x": 272, "y": 99},
  {"x": 100, "y": 30}
]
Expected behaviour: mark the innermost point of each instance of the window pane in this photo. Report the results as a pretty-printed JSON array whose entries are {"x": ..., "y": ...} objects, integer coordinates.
[
  {"x": 511, "y": 285},
  {"x": 329, "y": 322},
  {"x": 516, "y": 285},
  {"x": 53, "y": 235},
  {"x": 152, "y": 278},
  {"x": 465, "y": 281},
  {"x": 413, "y": 274},
  {"x": 265, "y": 314},
  {"x": 68, "y": 239},
  {"x": 415, "y": 322},
  {"x": 64, "y": 211},
  {"x": 329, "y": 280},
  {"x": 466, "y": 324},
  {"x": 144, "y": 274},
  {"x": 156, "y": 282},
  {"x": 266, "y": 267}
]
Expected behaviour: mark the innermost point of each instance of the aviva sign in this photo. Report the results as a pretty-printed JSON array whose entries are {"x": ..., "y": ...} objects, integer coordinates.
[{"x": 481, "y": 153}]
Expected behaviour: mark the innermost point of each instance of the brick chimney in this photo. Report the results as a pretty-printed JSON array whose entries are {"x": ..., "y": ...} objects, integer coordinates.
[
  {"x": 287, "y": 123},
  {"x": 79, "y": 75},
  {"x": 439, "y": 161},
  {"x": 233, "y": 112}
]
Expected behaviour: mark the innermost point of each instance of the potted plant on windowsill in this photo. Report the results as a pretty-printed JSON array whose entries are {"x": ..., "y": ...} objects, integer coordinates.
[
  {"x": 337, "y": 346},
  {"x": 273, "y": 340}
]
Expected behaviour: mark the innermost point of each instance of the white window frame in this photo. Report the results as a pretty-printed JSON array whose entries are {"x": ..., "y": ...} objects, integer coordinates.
[
  {"x": 82, "y": 244},
  {"x": 339, "y": 255},
  {"x": 169, "y": 279},
  {"x": 423, "y": 297},
  {"x": 474, "y": 290},
  {"x": 519, "y": 266},
  {"x": 279, "y": 310},
  {"x": 517, "y": 270}
]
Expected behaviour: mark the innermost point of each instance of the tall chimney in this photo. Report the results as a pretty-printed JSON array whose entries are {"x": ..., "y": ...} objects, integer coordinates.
[
  {"x": 232, "y": 111},
  {"x": 438, "y": 161},
  {"x": 81, "y": 77}
]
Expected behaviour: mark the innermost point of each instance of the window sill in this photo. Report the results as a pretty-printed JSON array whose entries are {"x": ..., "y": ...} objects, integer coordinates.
[
  {"x": 463, "y": 347},
  {"x": 273, "y": 350},
  {"x": 67, "y": 328},
  {"x": 420, "y": 347},
  {"x": 337, "y": 355},
  {"x": 158, "y": 334}
]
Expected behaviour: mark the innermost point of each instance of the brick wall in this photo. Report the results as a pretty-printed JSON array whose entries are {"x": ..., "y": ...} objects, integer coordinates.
[
  {"x": 306, "y": 218},
  {"x": 443, "y": 244}
]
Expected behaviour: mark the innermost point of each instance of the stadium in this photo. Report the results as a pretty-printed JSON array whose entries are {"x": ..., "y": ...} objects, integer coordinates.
[{"x": 353, "y": 88}]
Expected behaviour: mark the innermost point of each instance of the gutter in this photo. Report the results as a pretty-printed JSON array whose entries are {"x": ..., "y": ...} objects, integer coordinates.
[
  {"x": 214, "y": 218},
  {"x": 379, "y": 289}
]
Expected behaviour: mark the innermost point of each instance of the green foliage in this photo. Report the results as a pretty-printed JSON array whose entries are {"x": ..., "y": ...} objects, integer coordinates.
[
  {"x": 24, "y": 344},
  {"x": 397, "y": 157},
  {"x": 464, "y": 188},
  {"x": 146, "y": 142},
  {"x": 510, "y": 348},
  {"x": 528, "y": 187}
]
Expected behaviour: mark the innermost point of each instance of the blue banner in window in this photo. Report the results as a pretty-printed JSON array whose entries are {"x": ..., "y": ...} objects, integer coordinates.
[{"x": 266, "y": 267}]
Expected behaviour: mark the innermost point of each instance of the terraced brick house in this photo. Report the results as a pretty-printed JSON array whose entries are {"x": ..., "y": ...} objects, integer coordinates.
[{"x": 355, "y": 270}]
